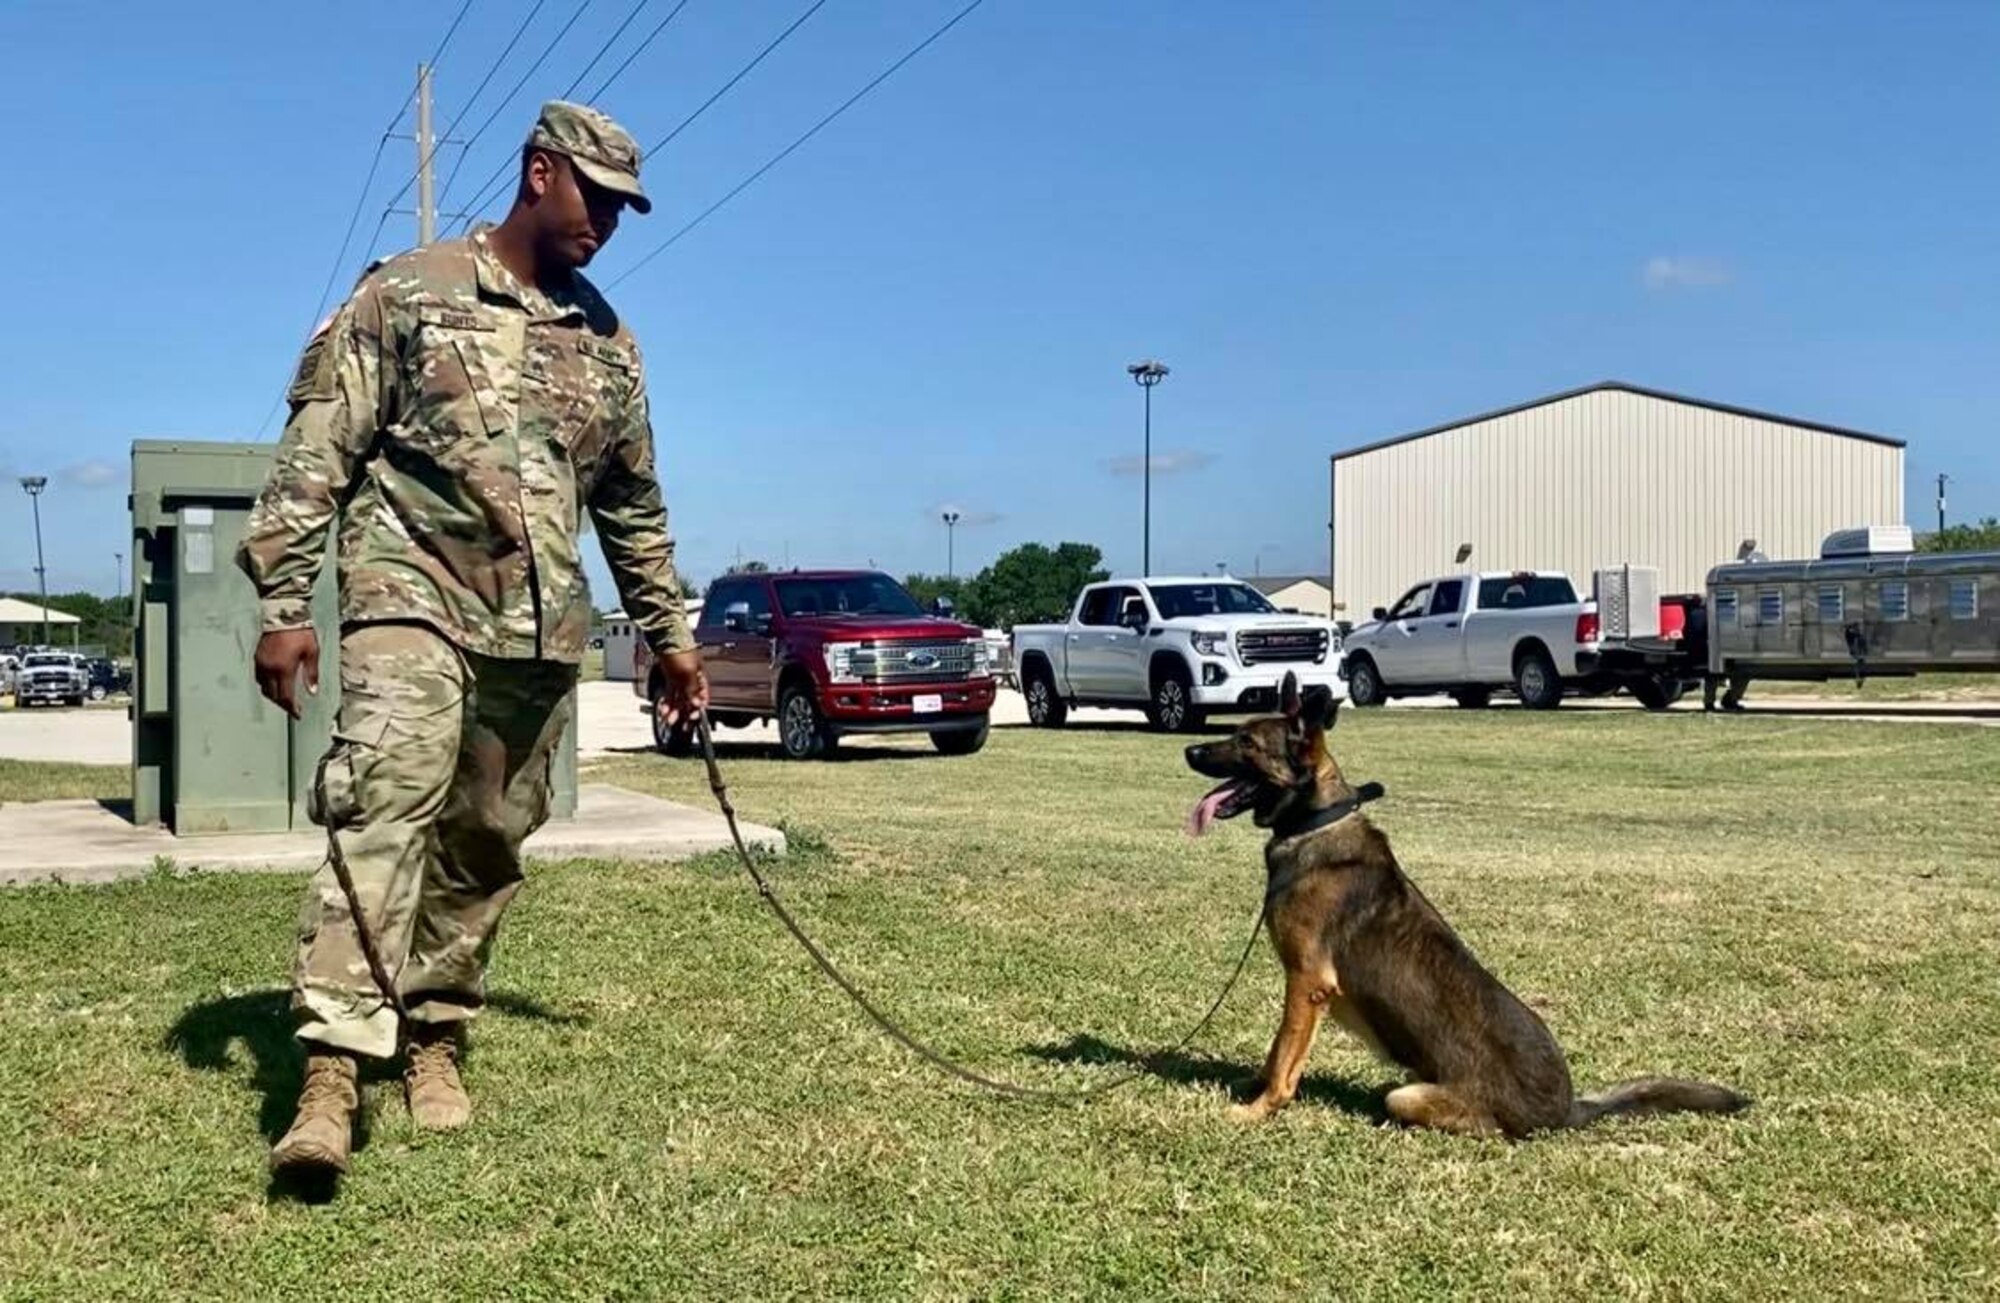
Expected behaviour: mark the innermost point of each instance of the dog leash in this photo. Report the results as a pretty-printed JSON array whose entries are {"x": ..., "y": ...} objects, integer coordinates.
[
  {"x": 894, "y": 1029},
  {"x": 362, "y": 933}
]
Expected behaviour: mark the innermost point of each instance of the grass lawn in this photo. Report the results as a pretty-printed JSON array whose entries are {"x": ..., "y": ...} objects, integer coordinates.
[
  {"x": 673, "y": 1103},
  {"x": 36, "y": 780},
  {"x": 1921, "y": 687}
]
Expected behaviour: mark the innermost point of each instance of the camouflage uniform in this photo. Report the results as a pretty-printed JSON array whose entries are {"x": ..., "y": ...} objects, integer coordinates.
[{"x": 457, "y": 423}]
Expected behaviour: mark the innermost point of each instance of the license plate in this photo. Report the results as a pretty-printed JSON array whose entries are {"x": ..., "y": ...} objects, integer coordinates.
[{"x": 927, "y": 705}]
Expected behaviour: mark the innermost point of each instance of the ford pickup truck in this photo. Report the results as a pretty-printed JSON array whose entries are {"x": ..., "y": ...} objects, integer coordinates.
[
  {"x": 827, "y": 654},
  {"x": 1180, "y": 649}
]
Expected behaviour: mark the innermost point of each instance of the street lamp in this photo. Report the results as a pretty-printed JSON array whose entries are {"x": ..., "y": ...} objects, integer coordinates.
[
  {"x": 1147, "y": 374},
  {"x": 34, "y": 484},
  {"x": 951, "y": 518}
]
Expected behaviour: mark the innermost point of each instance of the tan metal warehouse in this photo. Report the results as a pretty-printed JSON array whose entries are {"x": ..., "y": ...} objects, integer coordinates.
[{"x": 1597, "y": 476}]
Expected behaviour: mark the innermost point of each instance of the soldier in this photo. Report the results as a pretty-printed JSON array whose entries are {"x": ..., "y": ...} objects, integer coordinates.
[{"x": 457, "y": 415}]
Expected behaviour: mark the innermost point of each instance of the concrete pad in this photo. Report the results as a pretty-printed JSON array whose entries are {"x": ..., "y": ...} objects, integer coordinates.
[{"x": 88, "y": 842}]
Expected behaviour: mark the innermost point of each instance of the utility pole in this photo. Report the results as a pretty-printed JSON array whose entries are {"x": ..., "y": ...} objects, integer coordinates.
[
  {"x": 119, "y": 557},
  {"x": 1942, "y": 478},
  {"x": 34, "y": 484},
  {"x": 426, "y": 198}
]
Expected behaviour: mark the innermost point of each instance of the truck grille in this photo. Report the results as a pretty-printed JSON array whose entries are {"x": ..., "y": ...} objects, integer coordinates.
[
  {"x": 1281, "y": 646},
  {"x": 913, "y": 662}
]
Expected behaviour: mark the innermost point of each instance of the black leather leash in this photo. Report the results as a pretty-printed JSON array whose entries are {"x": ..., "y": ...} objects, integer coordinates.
[{"x": 888, "y": 1024}]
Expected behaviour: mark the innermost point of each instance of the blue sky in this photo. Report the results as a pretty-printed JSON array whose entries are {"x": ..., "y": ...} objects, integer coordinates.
[{"x": 1335, "y": 223}]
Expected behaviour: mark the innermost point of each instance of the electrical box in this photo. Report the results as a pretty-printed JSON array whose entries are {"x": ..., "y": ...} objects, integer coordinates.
[{"x": 209, "y": 754}]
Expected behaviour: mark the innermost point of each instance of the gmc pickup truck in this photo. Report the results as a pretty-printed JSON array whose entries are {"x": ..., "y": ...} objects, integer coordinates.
[
  {"x": 829, "y": 653},
  {"x": 1180, "y": 649}
]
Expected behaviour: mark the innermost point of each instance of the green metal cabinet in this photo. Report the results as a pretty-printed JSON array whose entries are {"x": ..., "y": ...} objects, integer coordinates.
[{"x": 209, "y": 754}]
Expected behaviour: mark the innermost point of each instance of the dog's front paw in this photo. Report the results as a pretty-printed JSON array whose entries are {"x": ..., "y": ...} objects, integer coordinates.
[{"x": 1257, "y": 1110}]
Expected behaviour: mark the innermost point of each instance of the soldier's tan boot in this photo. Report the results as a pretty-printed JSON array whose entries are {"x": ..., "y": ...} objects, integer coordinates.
[
  {"x": 437, "y": 1097},
  {"x": 322, "y": 1133}
]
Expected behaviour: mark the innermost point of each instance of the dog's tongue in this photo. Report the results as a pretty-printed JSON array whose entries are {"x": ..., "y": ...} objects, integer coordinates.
[{"x": 1203, "y": 815}]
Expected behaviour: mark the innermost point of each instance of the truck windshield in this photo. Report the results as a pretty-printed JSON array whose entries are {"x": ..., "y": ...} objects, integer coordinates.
[
  {"x": 846, "y": 595},
  {"x": 1183, "y": 601},
  {"x": 1520, "y": 592},
  {"x": 34, "y": 662}
]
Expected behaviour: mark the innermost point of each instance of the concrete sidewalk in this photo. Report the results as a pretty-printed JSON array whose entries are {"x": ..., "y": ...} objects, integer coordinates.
[{"x": 87, "y": 842}]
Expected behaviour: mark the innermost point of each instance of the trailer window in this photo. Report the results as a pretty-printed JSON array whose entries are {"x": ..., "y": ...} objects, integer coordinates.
[
  {"x": 1965, "y": 599},
  {"x": 1832, "y": 604},
  {"x": 1725, "y": 606},
  {"x": 1895, "y": 600},
  {"x": 1771, "y": 606}
]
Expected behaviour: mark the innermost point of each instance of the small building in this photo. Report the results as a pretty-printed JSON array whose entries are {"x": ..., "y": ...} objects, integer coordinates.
[
  {"x": 1306, "y": 594},
  {"x": 1593, "y": 477},
  {"x": 21, "y": 624},
  {"x": 621, "y": 641}
]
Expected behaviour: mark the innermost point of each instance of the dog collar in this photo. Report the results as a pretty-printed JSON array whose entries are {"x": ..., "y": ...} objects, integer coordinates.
[{"x": 1339, "y": 810}]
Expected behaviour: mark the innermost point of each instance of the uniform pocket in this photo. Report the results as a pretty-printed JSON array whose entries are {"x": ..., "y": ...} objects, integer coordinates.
[
  {"x": 461, "y": 378},
  {"x": 335, "y": 801}
]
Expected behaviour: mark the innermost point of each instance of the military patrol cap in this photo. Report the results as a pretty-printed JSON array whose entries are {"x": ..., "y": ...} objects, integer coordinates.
[{"x": 600, "y": 148}]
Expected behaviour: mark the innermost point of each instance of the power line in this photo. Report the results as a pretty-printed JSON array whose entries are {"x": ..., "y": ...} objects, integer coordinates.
[
  {"x": 492, "y": 69},
  {"x": 495, "y": 182},
  {"x": 637, "y": 50},
  {"x": 361, "y": 200},
  {"x": 605, "y": 48},
  {"x": 788, "y": 150},
  {"x": 512, "y": 91},
  {"x": 741, "y": 73}
]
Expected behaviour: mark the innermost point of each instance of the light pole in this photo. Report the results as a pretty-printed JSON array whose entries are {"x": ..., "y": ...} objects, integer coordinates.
[
  {"x": 34, "y": 484},
  {"x": 119, "y": 558},
  {"x": 1147, "y": 373},
  {"x": 950, "y": 518}
]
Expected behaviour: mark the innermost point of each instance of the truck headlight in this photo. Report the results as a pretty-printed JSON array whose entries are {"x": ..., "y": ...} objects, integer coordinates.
[
  {"x": 982, "y": 657},
  {"x": 1210, "y": 643},
  {"x": 840, "y": 661}
]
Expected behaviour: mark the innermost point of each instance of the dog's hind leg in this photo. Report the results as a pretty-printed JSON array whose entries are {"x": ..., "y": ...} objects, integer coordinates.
[
  {"x": 1440, "y": 1108},
  {"x": 1305, "y": 1000}
]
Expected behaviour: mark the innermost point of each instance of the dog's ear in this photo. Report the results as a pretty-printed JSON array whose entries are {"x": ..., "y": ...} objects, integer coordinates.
[
  {"x": 1288, "y": 697},
  {"x": 1318, "y": 707}
]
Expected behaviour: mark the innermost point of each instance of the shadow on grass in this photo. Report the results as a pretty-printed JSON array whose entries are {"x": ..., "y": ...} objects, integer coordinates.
[
  {"x": 261, "y": 1021},
  {"x": 1239, "y": 1079},
  {"x": 768, "y": 751}
]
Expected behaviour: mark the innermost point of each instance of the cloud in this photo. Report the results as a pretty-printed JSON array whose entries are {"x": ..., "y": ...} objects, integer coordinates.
[
  {"x": 966, "y": 516},
  {"x": 1684, "y": 272},
  {"x": 96, "y": 473},
  {"x": 1164, "y": 463}
]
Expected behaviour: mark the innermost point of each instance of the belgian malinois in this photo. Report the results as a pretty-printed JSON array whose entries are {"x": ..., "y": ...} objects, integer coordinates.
[{"x": 1361, "y": 944}]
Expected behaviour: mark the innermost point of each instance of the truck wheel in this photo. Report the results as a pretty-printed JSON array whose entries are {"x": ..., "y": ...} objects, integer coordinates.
[
  {"x": 1658, "y": 691},
  {"x": 1045, "y": 708},
  {"x": 1364, "y": 684},
  {"x": 1173, "y": 709},
  {"x": 676, "y": 740},
  {"x": 1536, "y": 681},
  {"x": 802, "y": 735},
  {"x": 960, "y": 741},
  {"x": 1473, "y": 698},
  {"x": 97, "y": 692}
]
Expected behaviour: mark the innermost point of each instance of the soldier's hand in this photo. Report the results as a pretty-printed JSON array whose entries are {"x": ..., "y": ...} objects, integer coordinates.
[
  {"x": 282, "y": 656},
  {"x": 686, "y": 682}
]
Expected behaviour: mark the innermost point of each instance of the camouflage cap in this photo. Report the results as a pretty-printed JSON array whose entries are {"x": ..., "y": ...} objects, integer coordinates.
[{"x": 600, "y": 148}]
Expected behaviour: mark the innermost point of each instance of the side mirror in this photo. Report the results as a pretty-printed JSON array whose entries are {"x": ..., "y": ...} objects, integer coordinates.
[
  {"x": 1380, "y": 613},
  {"x": 942, "y": 608},
  {"x": 736, "y": 617},
  {"x": 1134, "y": 617}
]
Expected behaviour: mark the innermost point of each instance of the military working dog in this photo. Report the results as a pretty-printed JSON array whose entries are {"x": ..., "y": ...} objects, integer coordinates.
[{"x": 1360, "y": 944}]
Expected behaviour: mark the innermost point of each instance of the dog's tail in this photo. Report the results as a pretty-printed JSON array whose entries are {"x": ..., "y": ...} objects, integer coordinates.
[{"x": 1644, "y": 1095}]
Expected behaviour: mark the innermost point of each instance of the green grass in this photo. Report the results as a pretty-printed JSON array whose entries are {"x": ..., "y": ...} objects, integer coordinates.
[
  {"x": 674, "y": 1104},
  {"x": 39, "y": 780}
]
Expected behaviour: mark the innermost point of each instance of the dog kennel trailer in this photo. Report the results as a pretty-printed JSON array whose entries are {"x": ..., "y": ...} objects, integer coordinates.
[{"x": 1868, "y": 607}]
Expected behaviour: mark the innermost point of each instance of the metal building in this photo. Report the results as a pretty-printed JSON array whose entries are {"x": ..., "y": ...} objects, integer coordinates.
[{"x": 1597, "y": 476}]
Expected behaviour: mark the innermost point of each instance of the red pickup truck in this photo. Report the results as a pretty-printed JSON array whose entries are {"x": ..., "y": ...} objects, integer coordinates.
[{"x": 828, "y": 653}]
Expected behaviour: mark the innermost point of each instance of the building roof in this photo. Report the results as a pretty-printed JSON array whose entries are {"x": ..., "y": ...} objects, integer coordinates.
[
  {"x": 1268, "y": 584},
  {"x": 1620, "y": 386},
  {"x": 15, "y": 611}
]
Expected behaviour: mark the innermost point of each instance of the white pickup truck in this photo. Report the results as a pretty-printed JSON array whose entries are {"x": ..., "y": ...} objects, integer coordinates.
[
  {"x": 1469, "y": 634},
  {"x": 1180, "y": 649}
]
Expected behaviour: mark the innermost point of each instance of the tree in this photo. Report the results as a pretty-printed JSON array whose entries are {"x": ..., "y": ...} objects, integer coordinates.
[
  {"x": 753, "y": 568},
  {"x": 689, "y": 589},
  {"x": 928, "y": 588},
  {"x": 1032, "y": 584},
  {"x": 1982, "y": 537}
]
